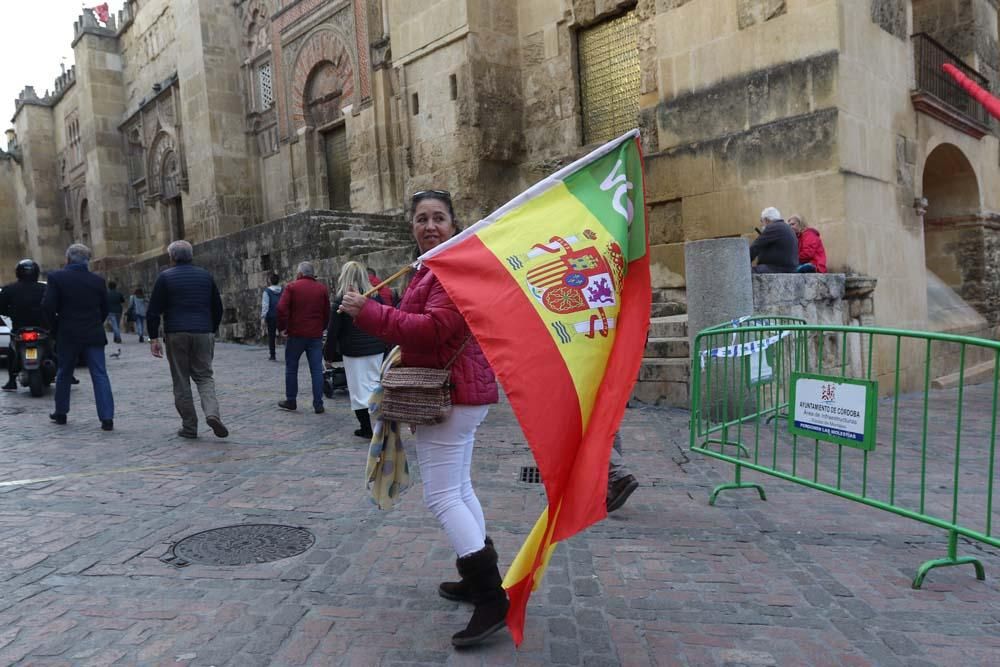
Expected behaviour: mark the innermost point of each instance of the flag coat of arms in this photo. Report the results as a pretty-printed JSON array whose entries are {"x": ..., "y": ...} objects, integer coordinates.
[{"x": 555, "y": 287}]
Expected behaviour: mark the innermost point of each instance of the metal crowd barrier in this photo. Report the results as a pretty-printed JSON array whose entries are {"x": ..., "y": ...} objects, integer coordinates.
[{"x": 852, "y": 411}]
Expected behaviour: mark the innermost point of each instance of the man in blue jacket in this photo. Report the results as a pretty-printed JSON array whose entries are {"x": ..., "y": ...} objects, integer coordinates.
[
  {"x": 188, "y": 300},
  {"x": 76, "y": 304}
]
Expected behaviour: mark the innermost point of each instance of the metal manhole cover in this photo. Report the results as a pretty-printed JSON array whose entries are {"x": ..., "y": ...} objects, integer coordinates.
[
  {"x": 242, "y": 545},
  {"x": 530, "y": 475}
]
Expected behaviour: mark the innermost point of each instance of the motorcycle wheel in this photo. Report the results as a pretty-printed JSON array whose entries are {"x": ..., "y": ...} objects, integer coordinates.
[{"x": 35, "y": 383}]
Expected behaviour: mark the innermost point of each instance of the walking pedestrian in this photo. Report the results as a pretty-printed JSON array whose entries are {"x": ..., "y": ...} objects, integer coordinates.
[
  {"x": 386, "y": 293},
  {"x": 621, "y": 483},
  {"x": 115, "y": 301},
  {"x": 138, "y": 305},
  {"x": 188, "y": 300},
  {"x": 269, "y": 312},
  {"x": 362, "y": 353},
  {"x": 431, "y": 333},
  {"x": 76, "y": 304},
  {"x": 303, "y": 313}
]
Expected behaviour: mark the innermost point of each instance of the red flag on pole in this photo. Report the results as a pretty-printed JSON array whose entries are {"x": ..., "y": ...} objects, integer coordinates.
[
  {"x": 102, "y": 12},
  {"x": 978, "y": 93}
]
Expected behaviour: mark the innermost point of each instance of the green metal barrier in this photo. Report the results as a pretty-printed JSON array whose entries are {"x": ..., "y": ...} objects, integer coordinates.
[{"x": 851, "y": 411}]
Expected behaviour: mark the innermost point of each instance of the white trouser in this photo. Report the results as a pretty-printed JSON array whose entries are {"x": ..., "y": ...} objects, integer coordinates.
[
  {"x": 444, "y": 453},
  {"x": 362, "y": 378}
]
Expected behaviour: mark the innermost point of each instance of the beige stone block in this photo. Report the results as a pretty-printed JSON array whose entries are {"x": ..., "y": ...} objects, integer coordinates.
[
  {"x": 714, "y": 215},
  {"x": 664, "y": 222},
  {"x": 850, "y": 143},
  {"x": 666, "y": 265},
  {"x": 551, "y": 40},
  {"x": 665, "y": 78},
  {"x": 535, "y": 14},
  {"x": 661, "y": 179}
]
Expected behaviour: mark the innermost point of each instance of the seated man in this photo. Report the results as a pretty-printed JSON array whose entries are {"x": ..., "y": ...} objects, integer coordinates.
[{"x": 776, "y": 249}]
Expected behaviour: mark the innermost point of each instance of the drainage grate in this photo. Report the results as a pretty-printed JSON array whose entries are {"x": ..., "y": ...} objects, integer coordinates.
[
  {"x": 241, "y": 545},
  {"x": 530, "y": 475}
]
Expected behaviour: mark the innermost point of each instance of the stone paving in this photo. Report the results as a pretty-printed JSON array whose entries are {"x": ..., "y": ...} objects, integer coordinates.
[{"x": 802, "y": 579}]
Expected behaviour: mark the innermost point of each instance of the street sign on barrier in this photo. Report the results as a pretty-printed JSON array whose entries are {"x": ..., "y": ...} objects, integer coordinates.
[{"x": 836, "y": 409}]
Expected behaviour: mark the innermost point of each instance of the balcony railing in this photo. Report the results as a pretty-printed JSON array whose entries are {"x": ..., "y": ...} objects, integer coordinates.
[{"x": 938, "y": 95}]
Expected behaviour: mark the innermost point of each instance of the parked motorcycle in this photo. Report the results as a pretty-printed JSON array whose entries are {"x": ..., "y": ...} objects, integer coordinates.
[{"x": 36, "y": 362}]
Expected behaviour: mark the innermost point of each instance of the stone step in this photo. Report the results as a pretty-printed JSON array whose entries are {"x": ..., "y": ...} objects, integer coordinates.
[
  {"x": 669, "y": 326},
  {"x": 388, "y": 226},
  {"x": 973, "y": 375},
  {"x": 665, "y": 370},
  {"x": 667, "y": 348},
  {"x": 667, "y": 308},
  {"x": 356, "y": 250},
  {"x": 671, "y": 394}
]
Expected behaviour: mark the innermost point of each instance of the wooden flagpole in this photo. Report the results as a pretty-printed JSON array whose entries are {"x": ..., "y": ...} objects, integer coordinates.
[{"x": 398, "y": 274}]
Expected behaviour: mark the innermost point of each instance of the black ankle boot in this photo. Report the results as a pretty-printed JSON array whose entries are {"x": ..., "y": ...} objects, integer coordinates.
[
  {"x": 480, "y": 570},
  {"x": 366, "y": 424},
  {"x": 459, "y": 590}
]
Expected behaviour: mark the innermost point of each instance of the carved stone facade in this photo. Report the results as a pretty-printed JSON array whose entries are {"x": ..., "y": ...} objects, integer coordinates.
[{"x": 200, "y": 119}]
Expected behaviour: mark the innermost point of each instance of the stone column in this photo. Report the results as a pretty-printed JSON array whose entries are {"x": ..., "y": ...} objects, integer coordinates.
[{"x": 719, "y": 289}]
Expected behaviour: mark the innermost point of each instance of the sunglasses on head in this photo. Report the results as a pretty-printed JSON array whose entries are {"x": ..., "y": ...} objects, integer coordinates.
[{"x": 431, "y": 193}]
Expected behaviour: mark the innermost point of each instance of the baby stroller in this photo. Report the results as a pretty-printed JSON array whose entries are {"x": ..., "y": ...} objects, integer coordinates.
[{"x": 334, "y": 380}]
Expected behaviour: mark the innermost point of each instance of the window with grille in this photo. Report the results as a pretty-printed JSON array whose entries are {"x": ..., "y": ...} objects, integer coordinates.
[
  {"x": 264, "y": 86},
  {"x": 609, "y": 78}
]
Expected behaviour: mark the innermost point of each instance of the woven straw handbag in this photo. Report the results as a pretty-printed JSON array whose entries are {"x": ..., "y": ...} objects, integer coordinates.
[{"x": 415, "y": 395}]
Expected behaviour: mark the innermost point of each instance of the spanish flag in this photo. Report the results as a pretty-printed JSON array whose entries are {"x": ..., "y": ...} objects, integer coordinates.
[{"x": 555, "y": 287}]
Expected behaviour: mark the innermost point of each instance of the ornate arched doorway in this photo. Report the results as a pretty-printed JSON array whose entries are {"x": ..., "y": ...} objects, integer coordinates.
[{"x": 323, "y": 86}]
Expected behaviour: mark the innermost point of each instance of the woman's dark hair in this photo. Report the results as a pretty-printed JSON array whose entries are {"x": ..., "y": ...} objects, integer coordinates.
[
  {"x": 440, "y": 195},
  {"x": 112, "y": 284},
  {"x": 138, "y": 291},
  {"x": 275, "y": 279}
]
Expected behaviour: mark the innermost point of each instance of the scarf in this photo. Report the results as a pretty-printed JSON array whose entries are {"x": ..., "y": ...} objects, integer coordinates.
[{"x": 387, "y": 475}]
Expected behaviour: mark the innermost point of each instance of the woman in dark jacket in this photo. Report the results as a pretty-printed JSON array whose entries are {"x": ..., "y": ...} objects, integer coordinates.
[
  {"x": 430, "y": 331},
  {"x": 362, "y": 353}
]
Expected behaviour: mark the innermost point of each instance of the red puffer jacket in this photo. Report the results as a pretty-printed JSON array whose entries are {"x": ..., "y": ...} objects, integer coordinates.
[
  {"x": 429, "y": 329},
  {"x": 811, "y": 249},
  {"x": 304, "y": 308}
]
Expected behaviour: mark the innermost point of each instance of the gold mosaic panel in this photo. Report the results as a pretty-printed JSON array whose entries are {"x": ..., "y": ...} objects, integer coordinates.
[{"x": 609, "y": 78}]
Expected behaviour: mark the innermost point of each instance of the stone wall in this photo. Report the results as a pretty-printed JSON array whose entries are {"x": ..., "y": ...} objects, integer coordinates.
[
  {"x": 243, "y": 262},
  {"x": 823, "y": 299},
  {"x": 818, "y": 298},
  {"x": 10, "y": 244}
]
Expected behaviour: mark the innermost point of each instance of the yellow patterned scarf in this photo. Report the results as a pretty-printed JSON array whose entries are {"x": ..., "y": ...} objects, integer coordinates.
[{"x": 388, "y": 474}]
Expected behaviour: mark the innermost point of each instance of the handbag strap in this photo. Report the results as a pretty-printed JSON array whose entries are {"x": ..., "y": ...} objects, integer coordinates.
[{"x": 454, "y": 357}]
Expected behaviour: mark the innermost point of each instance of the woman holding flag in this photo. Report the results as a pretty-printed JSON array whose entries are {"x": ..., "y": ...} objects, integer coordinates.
[{"x": 430, "y": 331}]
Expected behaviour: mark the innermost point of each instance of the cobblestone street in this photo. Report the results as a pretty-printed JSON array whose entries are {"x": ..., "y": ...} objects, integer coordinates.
[{"x": 86, "y": 518}]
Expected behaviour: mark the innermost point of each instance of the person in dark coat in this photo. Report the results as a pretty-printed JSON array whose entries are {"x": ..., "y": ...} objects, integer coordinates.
[
  {"x": 21, "y": 301},
  {"x": 776, "y": 249},
  {"x": 362, "y": 353},
  {"x": 188, "y": 300},
  {"x": 76, "y": 305}
]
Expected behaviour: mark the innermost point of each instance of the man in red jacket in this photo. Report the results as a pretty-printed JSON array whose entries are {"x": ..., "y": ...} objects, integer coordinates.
[
  {"x": 303, "y": 313},
  {"x": 388, "y": 298}
]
